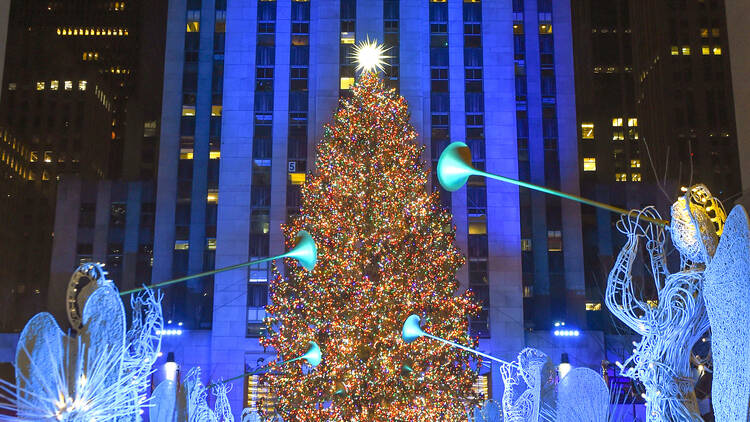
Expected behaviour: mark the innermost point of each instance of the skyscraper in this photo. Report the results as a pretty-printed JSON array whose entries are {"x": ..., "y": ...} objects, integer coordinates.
[
  {"x": 654, "y": 109},
  {"x": 74, "y": 81},
  {"x": 248, "y": 87}
]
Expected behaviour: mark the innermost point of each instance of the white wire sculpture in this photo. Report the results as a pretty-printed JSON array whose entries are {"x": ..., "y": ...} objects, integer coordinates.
[
  {"x": 524, "y": 380},
  {"x": 727, "y": 293},
  {"x": 489, "y": 411},
  {"x": 98, "y": 374},
  {"x": 670, "y": 326},
  {"x": 582, "y": 396},
  {"x": 250, "y": 415},
  {"x": 187, "y": 402}
]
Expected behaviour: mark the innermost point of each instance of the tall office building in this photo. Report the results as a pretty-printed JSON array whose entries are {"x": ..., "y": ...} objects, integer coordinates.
[
  {"x": 684, "y": 93},
  {"x": 248, "y": 87},
  {"x": 613, "y": 163},
  {"x": 653, "y": 96}
]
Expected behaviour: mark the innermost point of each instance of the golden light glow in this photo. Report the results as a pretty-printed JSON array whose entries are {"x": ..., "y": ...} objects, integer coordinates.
[
  {"x": 297, "y": 178},
  {"x": 370, "y": 56}
]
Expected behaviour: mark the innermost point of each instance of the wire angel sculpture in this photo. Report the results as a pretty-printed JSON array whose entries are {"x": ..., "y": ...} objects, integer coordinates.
[
  {"x": 582, "y": 396},
  {"x": 187, "y": 402},
  {"x": 724, "y": 249},
  {"x": 525, "y": 380},
  {"x": 98, "y": 372},
  {"x": 669, "y": 327}
]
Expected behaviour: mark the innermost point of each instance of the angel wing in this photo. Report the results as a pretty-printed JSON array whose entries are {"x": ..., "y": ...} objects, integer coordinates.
[
  {"x": 582, "y": 396},
  {"x": 727, "y": 296}
]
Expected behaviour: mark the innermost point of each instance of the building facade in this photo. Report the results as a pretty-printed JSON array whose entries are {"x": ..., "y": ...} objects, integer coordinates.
[
  {"x": 654, "y": 109},
  {"x": 79, "y": 100},
  {"x": 248, "y": 87}
]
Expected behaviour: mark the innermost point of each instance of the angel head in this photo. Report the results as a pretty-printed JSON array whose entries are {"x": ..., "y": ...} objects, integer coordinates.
[{"x": 697, "y": 221}]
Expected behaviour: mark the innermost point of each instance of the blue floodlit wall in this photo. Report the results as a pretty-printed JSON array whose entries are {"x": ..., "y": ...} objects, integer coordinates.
[{"x": 284, "y": 65}]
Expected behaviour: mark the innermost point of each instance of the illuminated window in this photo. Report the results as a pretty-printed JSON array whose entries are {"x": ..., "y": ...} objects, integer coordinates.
[
  {"x": 40, "y": 86},
  {"x": 481, "y": 387},
  {"x": 589, "y": 164},
  {"x": 528, "y": 291},
  {"x": 704, "y": 32},
  {"x": 211, "y": 243},
  {"x": 652, "y": 303},
  {"x": 45, "y": 175},
  {"x": 636, "y": 164},
  {"x": 213, "y": 196},
  {"x": 618, "y": 135},
  {"x": 188, "y": 110},
  {"x": 593, "y": 306},
  {"x": 675, "y": 50},
  {"x": 621, "y": 177},
  {"x": 347, "y": 38},
  {"x": 12, "y": 86},
  {"x": 47, "y": 156},
  {"x": 193, "y": 26},
  {"x": 82, "y": 85},
  {"x": 526, "y": 245},
  {"x": 635, "y": 177},
  {"x": 34, "y": 157},
  {"x": 296, "y": 178},
  {"x": 554, "y": 240},
  {"x": 186, "y": 153},
  {"x": 617, "y": 121},
  {"x": 518, "y": 28},
  {"x": 705, "y": 50},
  {"x": 181, "y": 245},
  {"x": 258, "y": 395},
  {"x": 214, "y": 155},
  {"x": 346, "y": 82},
  {"x": 715, "y": 32},
  {"x": 717, "y": 51},
  {"x": 478, "y": 225},
  {"x": 587, "y": 130},
  {"x": 545, "y": 28},
  {"x": 68, "y": 85},
  {"x": 685, "y": 50},
  {"x": 632, "y": 122},
  {"x": 216, "y": 110},
  {"x": 53, "y": 85}
]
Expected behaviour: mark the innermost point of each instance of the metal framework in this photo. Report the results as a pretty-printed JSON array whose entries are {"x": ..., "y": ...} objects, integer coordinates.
[
  {"x": 670, "y": 326},
  {"x": 99, "y": 373}
]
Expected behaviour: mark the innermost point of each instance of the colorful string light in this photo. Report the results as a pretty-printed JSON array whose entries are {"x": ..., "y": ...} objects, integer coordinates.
[{"x": 386, "y": 250}]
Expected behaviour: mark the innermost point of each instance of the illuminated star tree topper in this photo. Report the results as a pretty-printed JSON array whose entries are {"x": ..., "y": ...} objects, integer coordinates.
[{"x": 370, "y": 56}]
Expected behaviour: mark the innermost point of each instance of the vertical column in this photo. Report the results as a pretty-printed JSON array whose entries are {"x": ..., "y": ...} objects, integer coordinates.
[
  {"x": 414, "y": 73},
  {"x": 197, "y": 239},
  {"x": 101, "y": 223},
  {"x": 457, "y": 121},
  {"x": 280, "y": 126},
  {"x": 568, "y": 153},
  {"x": 504, "y": 260},
  {"x": 164, "y": 229},
  {"x": 325, "y": 31},
  {"x": 233, "y": 221},
  {"x": 132, "y": 231}
]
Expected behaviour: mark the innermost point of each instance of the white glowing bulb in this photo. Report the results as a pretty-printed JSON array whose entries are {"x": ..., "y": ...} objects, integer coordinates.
[
  {"x": 564, "y": 368},
  {"x": 170, "y": 371},
  {"x": 370, "y": 56}
]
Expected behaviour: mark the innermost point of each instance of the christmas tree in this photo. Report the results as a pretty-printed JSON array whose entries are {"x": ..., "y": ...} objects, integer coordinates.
[{"x": 385, "y": 251}]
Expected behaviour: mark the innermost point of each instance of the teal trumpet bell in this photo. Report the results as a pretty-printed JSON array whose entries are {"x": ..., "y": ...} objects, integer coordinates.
[
  {"x": 313, "y": 355},
  {"x": 411, "y": 330},
  {"x": 454, "y": 166},
  {"x": 304, "y": 251}
]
